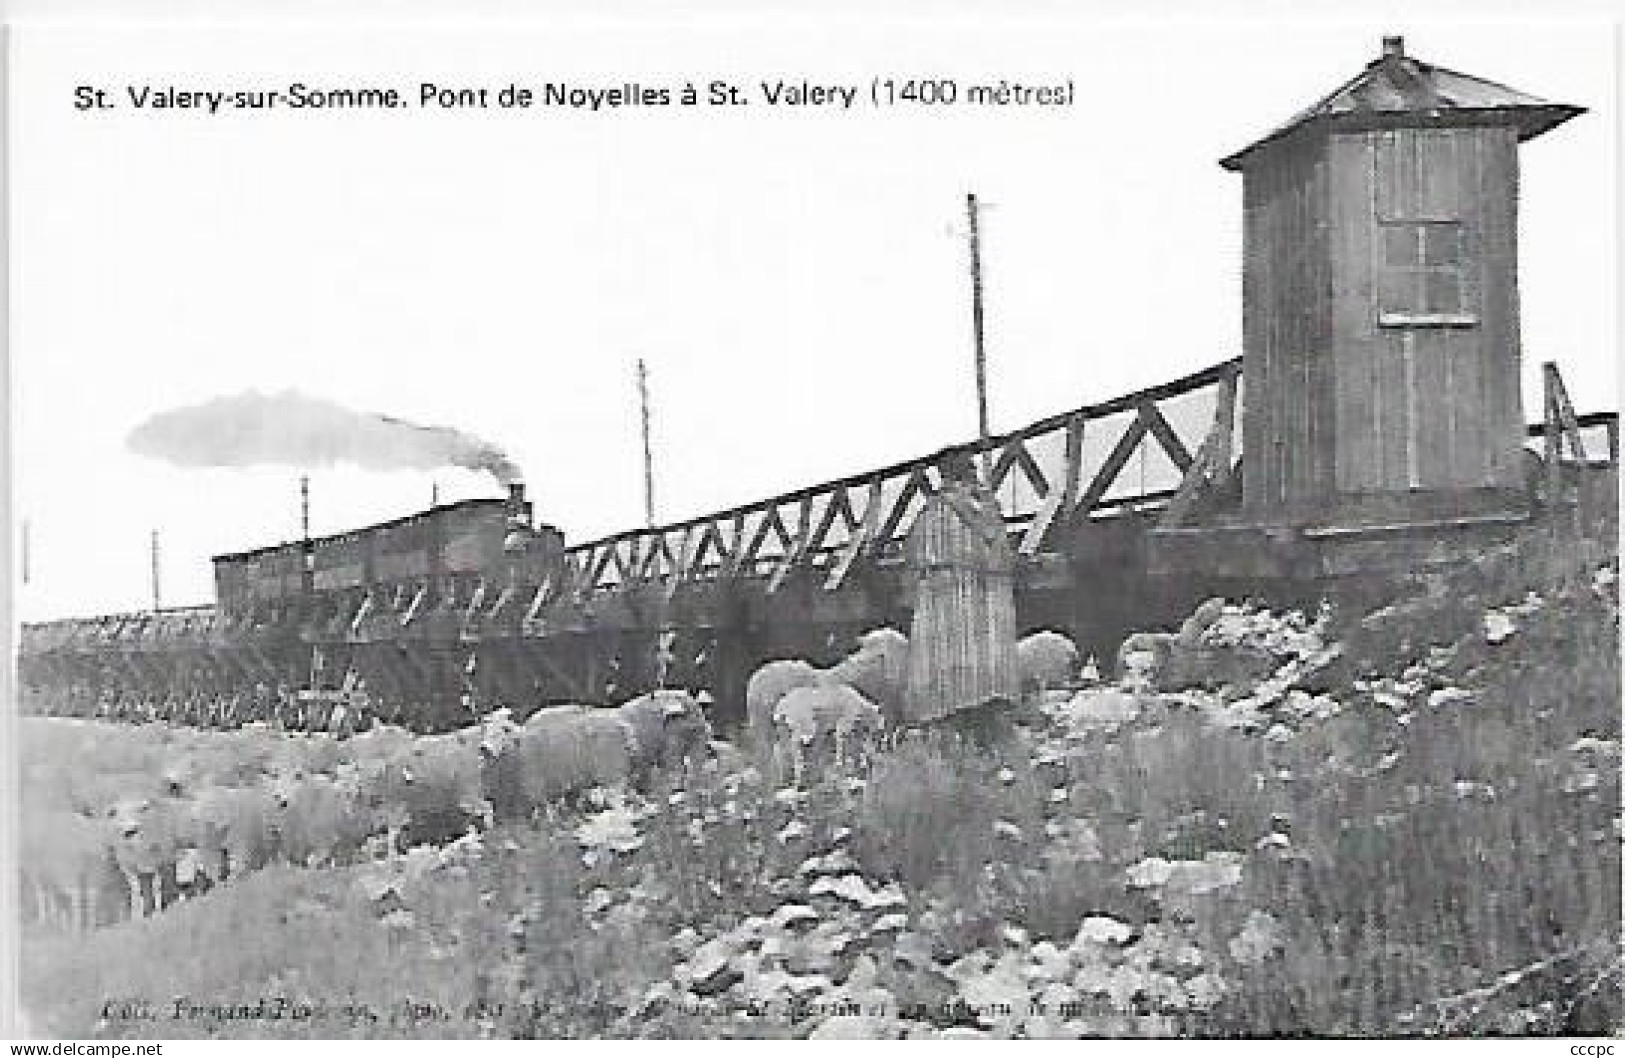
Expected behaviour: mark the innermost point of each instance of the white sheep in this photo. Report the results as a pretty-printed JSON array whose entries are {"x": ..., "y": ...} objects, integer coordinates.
[
  {"x": 829, "y": 720},
  {"x": 65, "y": 866},
  {"x": 1048, "y": 660},
  {"x": 322, "y": 819},
  {"x": 1200, "y": 620},
  {"x": 668, "y": 728},
  {"x": 878, "y": 670},
  {"x": 144, "y": 846},
  {"x": 1143, "y": 655},
  {"x": 437, "y": 788},
  {"x": 566, "y": 750},
  {"x": 234, "y": 829},
  {"x": 764, "y": 690}
]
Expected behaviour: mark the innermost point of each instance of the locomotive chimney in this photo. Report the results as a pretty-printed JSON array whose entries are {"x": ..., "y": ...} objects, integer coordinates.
[
  {"x": 517, "y": 538},
  {"x": 518, "y": 507}
]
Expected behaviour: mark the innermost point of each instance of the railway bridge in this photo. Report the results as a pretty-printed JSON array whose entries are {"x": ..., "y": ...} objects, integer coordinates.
[{"x": 1373, "y": 424}]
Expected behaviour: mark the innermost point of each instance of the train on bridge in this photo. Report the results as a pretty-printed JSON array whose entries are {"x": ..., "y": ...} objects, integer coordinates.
[{"x": 1373, "y": 424}]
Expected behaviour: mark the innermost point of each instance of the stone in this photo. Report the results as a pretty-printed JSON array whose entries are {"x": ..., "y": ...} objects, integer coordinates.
[
  {"x": 1261, "y": 937},
  {"x": 1103, "y": 929}
]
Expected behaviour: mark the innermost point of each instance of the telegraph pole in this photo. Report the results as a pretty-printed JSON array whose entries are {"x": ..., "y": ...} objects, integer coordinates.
[
  {"x": 307, "y": 551},
  {"x": 157, "y": 595},
  {"x": 972, "y": 212},
  {"x": 25, "y": 549},
  {"x": 648, "y": 448}
]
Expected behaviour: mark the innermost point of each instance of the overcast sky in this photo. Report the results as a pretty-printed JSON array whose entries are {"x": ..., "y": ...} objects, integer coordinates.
[{"x": 796, "y": 280}]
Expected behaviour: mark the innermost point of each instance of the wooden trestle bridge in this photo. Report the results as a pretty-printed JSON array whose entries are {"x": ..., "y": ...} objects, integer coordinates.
[
  {"x": 1093, "y": 497},
  {"x": 1373, "y": 424}
]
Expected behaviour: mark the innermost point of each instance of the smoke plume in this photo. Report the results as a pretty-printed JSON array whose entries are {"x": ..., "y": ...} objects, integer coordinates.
[{"x": 291, "y": 429}]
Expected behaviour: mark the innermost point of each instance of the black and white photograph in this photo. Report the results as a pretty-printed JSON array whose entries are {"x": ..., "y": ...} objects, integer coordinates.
[{"x": 991, "y": 522}]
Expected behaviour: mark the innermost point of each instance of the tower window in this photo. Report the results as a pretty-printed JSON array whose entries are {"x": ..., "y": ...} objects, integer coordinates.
[{"x": 1421, "y": 280}]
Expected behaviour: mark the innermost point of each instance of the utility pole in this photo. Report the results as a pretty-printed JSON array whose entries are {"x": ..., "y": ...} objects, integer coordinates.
[
  {"x": 307, "y": 550},
  {"x": 25, "y": 550},
  {"x": 972, "y": 212},
  {"x": 648, "y": 449},
  {"x": 157, "y": 595}
]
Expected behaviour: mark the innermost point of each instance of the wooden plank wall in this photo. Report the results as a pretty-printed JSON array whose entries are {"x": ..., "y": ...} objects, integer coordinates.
[
  {"x": 1286, "y": 304},
  {"x": 1426, "y": 408},
  {"x": 1497, "y": 194},
  {"x": 1360, "y": 455},
  {"x": 1314, "y": 340}
]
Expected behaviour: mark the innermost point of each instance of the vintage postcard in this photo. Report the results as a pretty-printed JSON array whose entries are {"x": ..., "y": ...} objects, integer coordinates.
[{"x": 981, "y": 524}]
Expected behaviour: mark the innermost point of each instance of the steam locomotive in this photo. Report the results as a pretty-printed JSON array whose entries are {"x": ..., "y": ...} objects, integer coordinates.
[
  {"x": 384, "y": 618},
  {"x": 435, "y": 563}
]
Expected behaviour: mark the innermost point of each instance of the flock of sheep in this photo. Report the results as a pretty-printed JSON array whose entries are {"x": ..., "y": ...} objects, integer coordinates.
[
  {"x": 803, "y": 714},
  {"x": 122, "y": 820}
]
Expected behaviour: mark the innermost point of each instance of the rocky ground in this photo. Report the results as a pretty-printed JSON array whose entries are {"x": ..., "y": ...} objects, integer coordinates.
[{"x": 1401, "y": 822}]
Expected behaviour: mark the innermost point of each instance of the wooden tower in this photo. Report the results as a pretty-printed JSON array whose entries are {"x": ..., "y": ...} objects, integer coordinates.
[{"x": 1380, "y": 300}]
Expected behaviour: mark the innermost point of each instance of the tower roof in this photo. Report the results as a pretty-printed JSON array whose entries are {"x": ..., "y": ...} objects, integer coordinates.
[{"x": 1395, "y": 89}]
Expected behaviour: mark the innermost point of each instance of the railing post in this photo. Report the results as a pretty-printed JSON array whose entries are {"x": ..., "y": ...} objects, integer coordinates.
[{"x": 1552, "y": 441}]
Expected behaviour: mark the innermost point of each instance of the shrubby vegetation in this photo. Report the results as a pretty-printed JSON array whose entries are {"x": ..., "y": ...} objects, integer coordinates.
[{"x": 1399, "y": 822}]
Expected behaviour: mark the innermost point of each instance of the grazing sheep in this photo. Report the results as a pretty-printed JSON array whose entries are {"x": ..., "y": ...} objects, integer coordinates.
[
  {"x": 567, "y": 750},
  {"x": 200, "y": 843},
  {"x": 766, "y": 687},
  {"x": 65, "y": 867},
  {"x": 1150, "y": 658},
  {"x": 439, "y": 788},
  {"x": 239, "y": 825},
  {"x": 645, "y": 717},
  {"x": 321, "y": 820},
  {"x": 1143, "y": 655},
  {"x": 830, "y": 721},
  {"x": 668, "y": 729},
  {"x": 144, "y": 847},
  {"x": 1048, "y": 660},
  {"x": 1200, "y": 620},
  {"x": 878, "y": 670}
]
